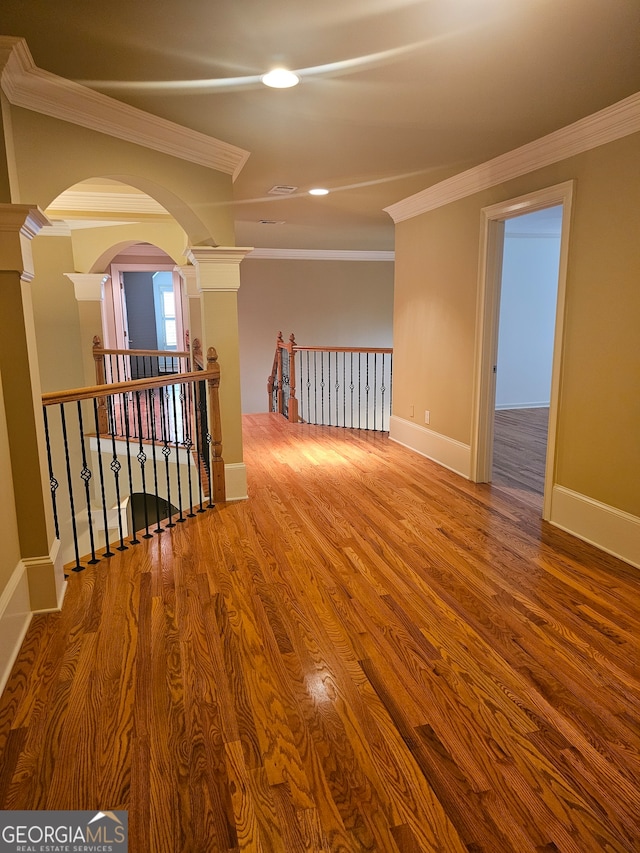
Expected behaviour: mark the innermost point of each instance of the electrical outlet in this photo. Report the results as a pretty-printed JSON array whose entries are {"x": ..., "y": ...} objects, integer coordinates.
[{"x": 427, "y": 416}]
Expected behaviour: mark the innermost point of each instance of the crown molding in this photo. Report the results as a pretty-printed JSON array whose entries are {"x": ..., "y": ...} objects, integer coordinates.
[
  {"x": 319, "y": 255},
  {"x": 607, "y": 125},
  {"x": 28, "y": 86}
]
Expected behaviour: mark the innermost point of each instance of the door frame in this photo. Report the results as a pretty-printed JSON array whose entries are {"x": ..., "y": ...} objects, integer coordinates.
[
  {"x": 122, "y": 340},
  {"x": 487, "y": 322}
]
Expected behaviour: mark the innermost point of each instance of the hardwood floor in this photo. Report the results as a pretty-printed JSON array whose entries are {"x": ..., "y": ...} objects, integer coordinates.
[
  {"x": 519, "y": 453},
  {"x": 371, "y": 654}
]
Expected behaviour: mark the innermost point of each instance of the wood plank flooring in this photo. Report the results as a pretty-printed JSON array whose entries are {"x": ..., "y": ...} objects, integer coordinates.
[
  {"x": 371, "y": 654},
  {"x": 520, "y": 451}
]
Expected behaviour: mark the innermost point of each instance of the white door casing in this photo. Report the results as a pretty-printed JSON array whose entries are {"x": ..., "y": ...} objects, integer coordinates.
[{"x": 487, "y": 320}]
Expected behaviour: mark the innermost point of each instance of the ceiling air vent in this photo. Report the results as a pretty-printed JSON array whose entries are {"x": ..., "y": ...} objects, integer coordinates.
[
  {"x": 282, "y": 189},
  {"x": 271, "y": 221}
]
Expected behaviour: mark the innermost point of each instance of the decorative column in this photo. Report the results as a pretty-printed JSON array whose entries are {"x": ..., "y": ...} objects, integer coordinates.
[
  {"x": 89, "y": 291},
  {"x": 41, "y": 558},
  {"x": 218, "y": 279}
]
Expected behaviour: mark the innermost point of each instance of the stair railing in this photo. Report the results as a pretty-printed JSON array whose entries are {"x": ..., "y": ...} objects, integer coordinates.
[
  {"x": 162, "y": 440},
  {"x": 336, "y": 386},
  {"x": 281, "y": 384},
  {"x": 121, "y": 365}
]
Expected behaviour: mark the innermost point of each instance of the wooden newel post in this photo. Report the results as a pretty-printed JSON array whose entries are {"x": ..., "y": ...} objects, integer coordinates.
[
  {"x": 217, "y": 463},
  {"x": 98, "y": 358},
  {"x": 197, "y": 355},
  {"x": 280, "y": 389},
  {"x": 271, "y": 379},
  {"x": 293, "y": 400}
]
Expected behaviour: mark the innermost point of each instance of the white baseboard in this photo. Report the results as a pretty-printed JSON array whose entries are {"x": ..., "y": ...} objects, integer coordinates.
[
  {"x": 235, "y": 479},
  {"x": 15, "y": 617},
  {"x": 608, "y": 528},
  {"x": 452, "y": 454},
  {"x": 503, "y": 406}
]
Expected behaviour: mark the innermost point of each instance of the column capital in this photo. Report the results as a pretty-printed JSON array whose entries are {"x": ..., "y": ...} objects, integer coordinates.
[
  {"x": 88, "y": 287},
  {"x": 189, "y": 275},
  {"x": 19, "y": 224},
  {"x": 218, "y": 267}
]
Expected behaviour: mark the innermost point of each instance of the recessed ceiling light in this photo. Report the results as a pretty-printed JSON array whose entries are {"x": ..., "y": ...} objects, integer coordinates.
[
  {"x": 280, "y": 78},
  {"x": 318, "y": 191}
]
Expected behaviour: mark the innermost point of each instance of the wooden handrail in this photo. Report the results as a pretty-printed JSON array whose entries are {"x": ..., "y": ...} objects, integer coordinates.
[
  {"x": 91, "y": 391},
  {"x": 99, "y": 350},
  {"x": 343, "y": 349},
  {"x": 162, "y": 353}
]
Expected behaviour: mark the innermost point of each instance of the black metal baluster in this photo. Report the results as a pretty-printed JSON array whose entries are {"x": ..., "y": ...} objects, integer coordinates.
[
  {"x": 329, "y": 384},
  {"x": 53, "y": 483},
  {"x": 375, "y": 387},
  {"x": 142, "y": 459},
  {"x": 344, "y": 389},
  {"x": 125, "y": 406},
  {"x": 116, "y": 466},
  {"x": 322, "y": 387},
  {"x": 308, "y": 363},
  {"x": 367, "y": 388},
  {"x": 151, "y": 406},
  {"x": 188, "y": 442},
  {"x": 166, "y": 449},
  {"x": 78, "y": 567},
  {"x": 390, "y": 383},
  {"x": 315, "y": 388},
  {"x": 359, "y": 390},
  {"x": 85, "y": 476},
  {"x": 108, "y": 552},
  {"x": 199, "y": 446},
  {"x": 337, "y": 391},
  {"x": 177, "y": 447}
]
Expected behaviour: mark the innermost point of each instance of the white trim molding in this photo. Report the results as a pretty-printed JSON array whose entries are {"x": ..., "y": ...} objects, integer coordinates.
[
  {"x": 608, "y": 528},
  {"x": 15, "y": 618},
  {"x": 492, "y": 227},
  {"x": 447, "y": 452},
  {"x": 28, "y": 86},
  {"x": 47, "y": 584},
  {"x": 235, "y": 480},
  {"x": 88, "y": 287},
  {"x": 320, "y": 255},
  {"x": 217, "y": 267},
  {"x": 607, "y": 125}
]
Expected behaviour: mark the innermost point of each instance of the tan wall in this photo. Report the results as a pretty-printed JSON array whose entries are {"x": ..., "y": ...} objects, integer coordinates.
[
  {"x": 343, "y": 303},
  {"x": 10, "y": 551},
  {"x": 95, "y": 248},
  {"x": 598, "y": 452},
  {"x": 52, "y": 155},
  {"x": 55, "y": 314}
]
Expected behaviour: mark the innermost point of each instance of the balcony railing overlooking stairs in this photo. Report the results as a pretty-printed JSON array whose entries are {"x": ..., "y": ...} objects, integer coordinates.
[
  {"x": 132, "y": 458},
  {"x": 334, "y": 386},
  {"x": 121, "y": 365}
]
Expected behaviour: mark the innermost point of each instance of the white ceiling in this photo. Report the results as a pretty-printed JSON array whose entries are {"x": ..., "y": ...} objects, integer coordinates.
[{"x": 395, "y": 94}]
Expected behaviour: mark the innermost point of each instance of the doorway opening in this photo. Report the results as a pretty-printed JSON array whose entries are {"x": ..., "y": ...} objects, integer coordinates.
[
  {"x": 526, "y": 326},
  {"x": 552, "y": 204},
  {"x": 144, "y": 307}
]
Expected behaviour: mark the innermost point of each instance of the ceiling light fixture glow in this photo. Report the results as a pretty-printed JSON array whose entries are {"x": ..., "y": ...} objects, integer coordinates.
[
  {"x": 318, "y": 191},
  {"x": 280, "y": 78}
]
